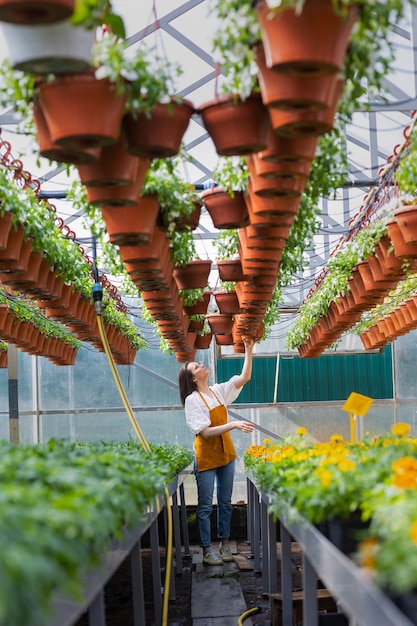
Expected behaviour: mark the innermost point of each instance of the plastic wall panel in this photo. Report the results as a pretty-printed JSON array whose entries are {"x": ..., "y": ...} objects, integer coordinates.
[{"x": 326, "y": 378}]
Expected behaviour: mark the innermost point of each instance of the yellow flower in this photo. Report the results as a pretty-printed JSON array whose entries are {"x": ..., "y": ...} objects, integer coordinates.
[
  {"x": 301, "y": 431},
  {"x": 266, "y": 441},
  {"x": 405, "y": 470},
  {"x": 346, "y": 464},
  {"x": 325, "y": 477},
  {"x": 413, "y": 532},
  {"x": 401, "y": 429},
  {"x": 336, "y": 438},
  {"x": 367, "y": 550}
]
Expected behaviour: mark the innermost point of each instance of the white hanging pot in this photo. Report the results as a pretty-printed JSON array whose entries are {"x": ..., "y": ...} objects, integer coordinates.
[{"x": 58, "y": 48}]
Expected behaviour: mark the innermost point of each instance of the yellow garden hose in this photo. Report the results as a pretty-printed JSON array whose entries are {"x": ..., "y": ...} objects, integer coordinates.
[
  {"x": 146, "y": 446},
  {"x": 247, "y": 614}
]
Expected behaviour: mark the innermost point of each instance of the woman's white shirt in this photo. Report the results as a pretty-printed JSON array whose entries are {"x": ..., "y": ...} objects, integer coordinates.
[{"x": 197, "y": 414}]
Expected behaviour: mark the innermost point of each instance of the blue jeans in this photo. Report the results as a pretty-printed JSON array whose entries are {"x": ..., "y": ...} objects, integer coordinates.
[{"x": 205, "y": 487}]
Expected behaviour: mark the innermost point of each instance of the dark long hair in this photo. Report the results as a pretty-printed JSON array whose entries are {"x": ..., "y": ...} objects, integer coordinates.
[{"x": 186, "y": 382}]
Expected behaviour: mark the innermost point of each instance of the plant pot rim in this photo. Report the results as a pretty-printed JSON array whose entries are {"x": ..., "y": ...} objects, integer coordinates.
[{"x": 227, "y": 99}]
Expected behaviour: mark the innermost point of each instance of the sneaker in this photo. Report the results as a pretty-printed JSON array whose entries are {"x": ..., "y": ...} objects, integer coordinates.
[
  {"x": 211, "y": 559},
  {"x": 226, "y": 553}
]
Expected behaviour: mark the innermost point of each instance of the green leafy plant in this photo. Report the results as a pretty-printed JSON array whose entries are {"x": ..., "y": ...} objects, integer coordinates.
[
  {"x": 94, "y": 13},
  {"x": 63, "y": 505},
  {"x": 145, "y": 77},
  {"x": 335, "y": 281},
  {"x": 231, "y": 174},
  {"x": 177, "y": 198},
  {"x": 406, "y": 172},
  {"x": 226, "y": 243},
  {"x": 183, "y": 248}
]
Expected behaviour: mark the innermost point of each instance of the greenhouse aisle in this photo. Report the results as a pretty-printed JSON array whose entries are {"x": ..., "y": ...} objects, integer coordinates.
[{"x": 216, "y": 594}]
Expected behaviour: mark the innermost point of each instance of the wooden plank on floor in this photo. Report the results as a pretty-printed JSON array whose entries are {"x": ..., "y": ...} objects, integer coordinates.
[{"x": 242, "y": 563}]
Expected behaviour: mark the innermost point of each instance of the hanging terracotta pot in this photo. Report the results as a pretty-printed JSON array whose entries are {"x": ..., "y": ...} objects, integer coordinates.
[
  {"x": 35, "y": 11},
  {"x": 194, "y": 275},
  {"x": 117, "y": 195},
  {"x": 22, "y": 281},
  {"x": 378, "y": 274},
  {"x": 322, "y": 37},
  {"x": 280, "y": 170},
  {"x": 200, "y": 308},
  {"x": 406, "y": 217},
  {"x": 403, "y": 250},
  {"x": 226, "y": 211},
  {"x": 292, "y": 92},
  {"x": 289, "y": 149},
  {"x": 272, "y": 206},
  {"x": 159, "y": 134},
  {"x": 390, "y": 264},
  {"x": 16, "y": 245},
  {"x": 53, "y": 151},
  {"x": 11, "y": 252},
  {"x": 202, "y": 342},
  {"x": 54, "y": 49},
  {"x": 191, "y": 221},
  {"x": 237, "y": 127},
  {"x": 224, "y": 339},
  {"x": 263, "y": 216},
  {"x": 267, "y": 236},
  {"x": 114, "y": 167},
  {"x": 280, "y": 186},
  {"x": 3, "y": 359},
  {"x": 154, "y": 251},
  {"x": 40, "y": 288},
  {"x": 220, "y": 324},
  {"x": 5, "y": 226},
  {"x": 307, "y": 124},
  {"x": 82, "y": 111},
  {"x": 372, "y": 287},
  {"x": 230, "y": 270},
  {"x": 196, "y": 326},
  {"x": 227, "y": 302},
  {"x": 132, "y": 225}
]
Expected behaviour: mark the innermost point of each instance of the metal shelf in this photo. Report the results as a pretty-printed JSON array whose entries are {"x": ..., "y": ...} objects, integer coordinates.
[
  {"x": 359, "y": 598},
  {"x": 67, "y": 612}
]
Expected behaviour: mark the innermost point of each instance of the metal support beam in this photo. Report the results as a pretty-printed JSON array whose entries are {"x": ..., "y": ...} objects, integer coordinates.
[{"x": 13, "y": 394}]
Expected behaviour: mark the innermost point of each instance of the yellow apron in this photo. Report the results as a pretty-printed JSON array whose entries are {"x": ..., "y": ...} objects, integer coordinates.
[{"x": 214, "y": 451}]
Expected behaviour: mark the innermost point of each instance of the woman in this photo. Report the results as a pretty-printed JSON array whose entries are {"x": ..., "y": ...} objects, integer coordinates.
[{"x": 207, "y": 418}]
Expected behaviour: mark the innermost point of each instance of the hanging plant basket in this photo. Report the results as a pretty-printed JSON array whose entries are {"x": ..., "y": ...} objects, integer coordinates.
[
  {"x": 200, "y": 308},
  {"x": 114, "y": 167},
  {"x": 230, "y": 270},
  {"x": 220, "y": 324},
  {"x": 202, "y": 342},
  {"x": 132, "y": 225},
  {"x": 5, "y": 226},
  {"x": 52, "y": 151},
  {"x": 194, "y": 275},
  {"x": 81, "y": 111},
  {"x": 322, "y": 37},
  {"x": 289, "y": 149},
  {"x": 406, "y": 217},
  {"x": 292, "y": 93},
  {"x": 224, "y": 339},
  {"x": 225, "y": 211},
  {"x": 227, "y": 302},
  {"x": 118, "y": 195},
  {"x": 49, "y": 49},
  {"x": 158, "y": 135},
  {"x": 237, "y": 127},
  {"x": 35, "y": 11}
]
